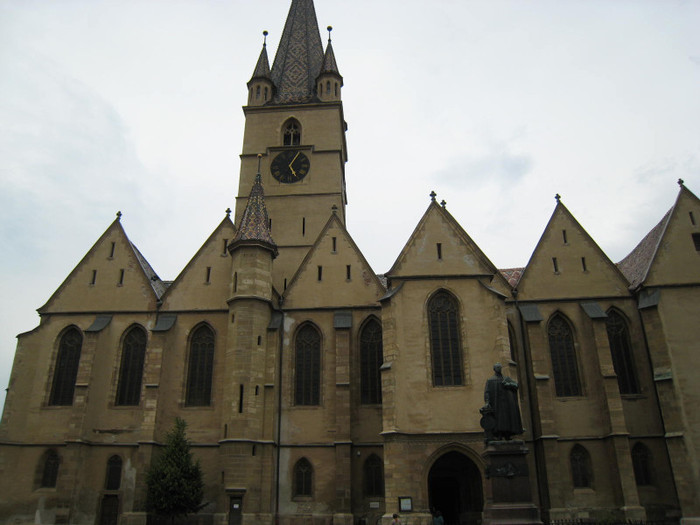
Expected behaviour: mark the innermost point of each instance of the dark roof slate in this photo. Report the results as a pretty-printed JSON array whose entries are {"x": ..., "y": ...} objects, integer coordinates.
[
  {"x": 636, "y": 265},
  {"x": 329, "y": 64},
  {"x": 254, "y": 224},
  {"x": 262, "y": 68},
  {"x": 158, "y": 286},
  {"x": 299, "y": 56}
]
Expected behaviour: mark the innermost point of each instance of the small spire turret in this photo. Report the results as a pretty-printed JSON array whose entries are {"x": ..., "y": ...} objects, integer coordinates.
[
  {"x": 260, "y": 85},
  {"x": 329, "y": 79}
]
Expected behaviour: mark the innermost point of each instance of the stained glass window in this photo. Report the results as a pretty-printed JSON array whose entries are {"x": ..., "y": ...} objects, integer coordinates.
[
  {"x": 131, "y": 370},
  {"x": 303, "y": 478},
  {"x": 621, "y": 351},
  {"x": 563, "y": 353},
  {"x": 307, "y": 366},
  {"x": 374, "y": 478},
  {"x": 443, "y": 320},
  {"x": 371, "y": 359},
  {"x": 201, "y": 367},
  {"x": 66, "y": 371}
]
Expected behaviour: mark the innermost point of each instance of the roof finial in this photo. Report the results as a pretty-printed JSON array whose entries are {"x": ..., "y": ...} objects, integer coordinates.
[
  {"x": 119, "y": 216},
  {"x": 228, "y": 212},
  {"x": 330, "y": 28},
  {"x": 680, "y": 182},
  {"x": 265, "y": 33},
  {"x": 557, "y": 197},
  {"x": 443, "y": 203},
  {"x": 258, "y": 177},
  {"x": 432, "y": 196}
]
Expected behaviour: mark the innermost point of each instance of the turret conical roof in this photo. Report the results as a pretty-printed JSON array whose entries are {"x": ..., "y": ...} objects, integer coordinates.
[
  {"x": 254, "y": 227},
  {"x": 262, "y": 68}
]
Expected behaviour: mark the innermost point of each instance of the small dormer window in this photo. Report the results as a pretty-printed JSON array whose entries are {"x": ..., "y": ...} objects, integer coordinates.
[{"x": 292, "y": 133}]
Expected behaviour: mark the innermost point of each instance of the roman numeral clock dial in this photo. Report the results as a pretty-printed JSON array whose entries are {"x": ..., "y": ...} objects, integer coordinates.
[{"x": 290, "y": 166}]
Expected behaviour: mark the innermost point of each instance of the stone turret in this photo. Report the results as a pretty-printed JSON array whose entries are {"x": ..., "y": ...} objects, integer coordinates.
[
  {"x": 329, "y": 82},
  {"x": 260, "y": 86}
]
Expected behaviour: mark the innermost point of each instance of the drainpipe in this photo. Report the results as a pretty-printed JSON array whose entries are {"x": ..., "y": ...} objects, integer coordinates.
[{"x": 279, "y": 421}]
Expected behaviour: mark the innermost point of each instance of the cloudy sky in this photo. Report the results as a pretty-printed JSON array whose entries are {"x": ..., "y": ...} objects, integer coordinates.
[{"x": 135, "y": 105}]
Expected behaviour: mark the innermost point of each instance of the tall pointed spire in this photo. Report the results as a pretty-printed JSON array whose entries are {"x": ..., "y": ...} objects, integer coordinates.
[
  {"x": 262, "y": 68},
  {"x": 329, "y": 64},
  {"x": 299, "y": 55}
]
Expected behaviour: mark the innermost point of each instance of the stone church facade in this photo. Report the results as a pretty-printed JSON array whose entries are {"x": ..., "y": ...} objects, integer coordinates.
[{"x": 316, "y": 391}]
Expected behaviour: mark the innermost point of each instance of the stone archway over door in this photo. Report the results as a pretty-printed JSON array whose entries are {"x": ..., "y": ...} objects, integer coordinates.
[{"x": 454, "y": 488}]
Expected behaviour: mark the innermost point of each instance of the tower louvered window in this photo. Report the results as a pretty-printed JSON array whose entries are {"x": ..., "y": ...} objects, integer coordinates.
[
  {"x": 621, "y": 351},
  {"x": 443, "y": 320},
  {"x": 303, "y": 478},
  {"x": 641, "y": 462},
  {"x": 201, "y": 367},
  {"x": 131, "y": 369},
  {"x": 373, "y": 476},
  {"x": 66, "y": 371},
  {"x": 581, "y": 471},
  {"x": 563, "y": 353},
  {"x": 49, "y": 474},
  {"x": 307, "y": 366},
  {"x": 113, "y": 478},
  {"x": 371, "y": 359},
  {"x": 292, "y": 134}
]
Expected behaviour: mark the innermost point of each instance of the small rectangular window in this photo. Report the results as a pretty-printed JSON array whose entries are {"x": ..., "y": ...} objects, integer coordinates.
[
  {"x": 121, "y": 277},
  {"x": 285, "y": 284},
  {"x": 692, "y": 218},
  {"x": 269, "y": 224},
  {"x": 93, "y": 280},
  {"x": 583, "y": 264},
  {"x": 563, "y": 235},
  {"x": 259, "y": 340},
  {"x": 439, "y": 250},
  {"x": 320, "y": 272},
  {"x": 225, "y": 247},
  {"x": 303, "y": 226},
  {"x": 114, "y": 245},
  {"x": 696, "y": 241},
  {"x": 208, "y": 278},
  {"x": 347, "y": 272},
  {"x": 240, "y": 400},
  {"x": 555, "y": 264},
  {"x": 334, "y": 244}
]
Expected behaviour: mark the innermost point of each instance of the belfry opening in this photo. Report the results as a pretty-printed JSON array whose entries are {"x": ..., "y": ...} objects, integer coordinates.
[{"x": 455, "y": 489}]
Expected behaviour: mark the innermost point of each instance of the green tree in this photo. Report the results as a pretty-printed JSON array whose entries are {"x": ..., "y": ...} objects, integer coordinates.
[{"x": 174, "y": 481}]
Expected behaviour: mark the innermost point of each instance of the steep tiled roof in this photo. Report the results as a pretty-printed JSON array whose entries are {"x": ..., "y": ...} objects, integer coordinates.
[
  {"x": 254, "y": 224},
  {"x": 329, "y": 64},
  {"x": 636, "y": 265},
  {"x": 262, "y": 68},
  {"x": 158, "y": 286},
  {"x": 299, "y": 55},
  {"x": 512, "y": 275}
]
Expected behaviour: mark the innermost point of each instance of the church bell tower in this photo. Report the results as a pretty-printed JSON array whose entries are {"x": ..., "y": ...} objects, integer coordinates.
[{"x": 294, "y": 119}]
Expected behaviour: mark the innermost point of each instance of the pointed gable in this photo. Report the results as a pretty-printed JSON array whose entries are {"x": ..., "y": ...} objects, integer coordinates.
[
  {"x": 205, "y": 282},
  {"x": 333, "y": 274},
  {"x": 299, "y": 55},
  {"x": 113, "y": 276},
  {"x": 669, "y": 253},
  {"x": 439, "y": 246},
  {"x": 567, "y": 263}
]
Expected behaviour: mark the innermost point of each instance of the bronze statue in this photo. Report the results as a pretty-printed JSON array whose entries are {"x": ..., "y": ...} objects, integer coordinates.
[{"x": 501, "y": 415}]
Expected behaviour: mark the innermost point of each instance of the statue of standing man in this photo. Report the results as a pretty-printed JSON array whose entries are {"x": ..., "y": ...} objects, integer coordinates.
[{"x": 501, "y": 415}]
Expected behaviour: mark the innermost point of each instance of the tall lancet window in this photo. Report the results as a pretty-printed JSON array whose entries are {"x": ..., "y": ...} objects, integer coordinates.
[
  {"x": 131, "y": 370},
  {"x": 445, "y": 347},
  {"x": 563, "y": 353},
  {"x": 307, "y": 366},
  {"x": 66, "y": 370},
  {"x": 201, "y": 367},
  {"x": 621, "y": 351},
  {"x": 292, "y": 133},
  {"x": 371, "y": 359}
]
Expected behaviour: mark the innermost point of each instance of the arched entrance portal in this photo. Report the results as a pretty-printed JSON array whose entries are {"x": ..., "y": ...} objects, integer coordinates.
[{"x": 454, "y": 488}]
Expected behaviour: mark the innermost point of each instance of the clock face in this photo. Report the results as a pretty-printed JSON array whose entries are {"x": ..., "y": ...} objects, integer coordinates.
[{"x": 290, "y": 166}]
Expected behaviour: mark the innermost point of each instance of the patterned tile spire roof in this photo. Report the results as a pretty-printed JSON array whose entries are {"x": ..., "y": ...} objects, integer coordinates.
[
  {"x": 254, "y": 227},
  {"x": 299, "y": 56},
  {"x": 262, "y": 68}
]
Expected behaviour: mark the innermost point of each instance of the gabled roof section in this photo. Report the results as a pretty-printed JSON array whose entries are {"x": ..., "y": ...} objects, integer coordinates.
[
  {"x": 567, "y": 263},
  {"x": 112, "y": 276},
  {"x": 205, "y": 282},
  {"x": 333, "y": 278},
  {"x": 299, "y": 56},
  {"x": 439, "y": 246},
  {"x": 262, "y": 68},
  {"x": 668, "y": 253},
  {"x": 254, "y": 227}
]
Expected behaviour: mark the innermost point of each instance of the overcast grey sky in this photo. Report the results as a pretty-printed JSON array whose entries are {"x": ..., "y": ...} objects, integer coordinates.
[{"x": 135, "y": 105}]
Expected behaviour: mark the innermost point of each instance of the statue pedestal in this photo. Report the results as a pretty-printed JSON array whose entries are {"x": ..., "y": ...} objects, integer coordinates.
[{"x": 508, "y": 494}]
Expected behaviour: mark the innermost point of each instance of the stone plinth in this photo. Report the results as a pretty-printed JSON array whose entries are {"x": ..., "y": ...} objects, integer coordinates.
[{"x": 508, "y": 493}]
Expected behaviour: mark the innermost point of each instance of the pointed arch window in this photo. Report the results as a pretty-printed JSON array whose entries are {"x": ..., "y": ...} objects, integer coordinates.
[
  {"x": 66, "y": 370},
  {"x": 49, "y": 474},
  {"x": 303, "y": 478},
  {"x": 581, "y": 471},
  {"x": 292, "y": 133},
  {"x": 641, "y": 462},
  {"x": 512, "y": 343},
  {"x": 445, "y": 346},
  {"x": 201, "y": 367},
  {"x": 131, "y": 369},
  {"x": 113, "y": 477},
  {"x": 373, "y": 477},
  {"x": 563, "y": 353},
  {"x": 621, "y": 351},
  {"x": 371, "y": 359},
  {"x": 307, "y": 367}
]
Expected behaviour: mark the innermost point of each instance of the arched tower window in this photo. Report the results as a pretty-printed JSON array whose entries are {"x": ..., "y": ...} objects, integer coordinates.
[
  {"x": 303, "y": 478},
  {"x": 201, "y": 367},
  {"x": 292, "y": 133},
  {"x": 113, "y": 477},
  {"x": 621, "y": 351},
  {"x": 641, "y": 462},
  {"x": 445, "y": 347},
  {"x": 49, "y": 474},
  {"x": 563, "y": 353},
  {"x": 66, "y": 371},
  {"x": 307, "y": 380},
  {"x": 373, "y": 477},
  {"x": 581, "y": 471},
  {"x": 131, "y": 370},
  {"x": 371, "y": 359}
]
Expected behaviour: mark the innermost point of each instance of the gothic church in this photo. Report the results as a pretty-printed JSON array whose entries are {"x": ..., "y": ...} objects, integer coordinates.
[{"x": 317, "y": 391}]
